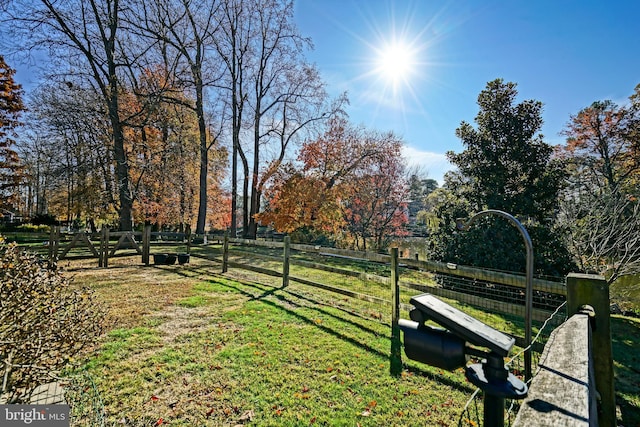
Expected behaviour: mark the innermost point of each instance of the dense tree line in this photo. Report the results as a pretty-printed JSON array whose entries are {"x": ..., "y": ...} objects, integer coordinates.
[
  {"x": 153, "y": 76},
  {"x": 206, "y": 114}
]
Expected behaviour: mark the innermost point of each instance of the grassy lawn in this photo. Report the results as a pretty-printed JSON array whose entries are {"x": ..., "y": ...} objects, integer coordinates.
[
  {"x": 187, "y": 346},
  {"x": 191, "y": 347},
  {"x": 626, "y": 365}
]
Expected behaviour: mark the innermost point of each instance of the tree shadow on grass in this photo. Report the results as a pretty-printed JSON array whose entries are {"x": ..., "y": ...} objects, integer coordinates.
[
  {"x": 280, "y": 301},
  {"x": 626, "y": 353},
  {"x": 287, "y": 290}
]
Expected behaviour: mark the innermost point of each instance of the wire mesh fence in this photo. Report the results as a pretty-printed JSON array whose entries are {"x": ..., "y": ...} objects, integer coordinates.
[
  {"x": 83, "y": 397},
  {"x": 367, "y": 277},
  {"x": 473, "y": 412},
  {"x": 491, "y": 302},
  {"x": 363, "y": 283},
  {"x": 494, "y": 302}
]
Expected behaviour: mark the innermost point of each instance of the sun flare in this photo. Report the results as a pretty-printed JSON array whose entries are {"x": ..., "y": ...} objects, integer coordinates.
[
  {"x": 396, "y": 59},
  {"x": 395, "y": 62}
]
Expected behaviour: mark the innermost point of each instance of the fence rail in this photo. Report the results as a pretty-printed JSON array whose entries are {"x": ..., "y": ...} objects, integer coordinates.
[
  {"x": 493, "y": 291},
  {"x": 574, "y": 383},
  {"x": 367, "y": 277},
  {"x": 567, "y": 365},
  {"x": 380, "y": 279}
]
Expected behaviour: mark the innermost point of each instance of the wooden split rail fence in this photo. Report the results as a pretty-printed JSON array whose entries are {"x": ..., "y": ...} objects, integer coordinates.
[
  {"x": 107, "y": 244},
  {"x": 491, "y": 291}
]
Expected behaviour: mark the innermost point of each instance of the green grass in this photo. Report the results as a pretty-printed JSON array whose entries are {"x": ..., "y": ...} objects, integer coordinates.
[
  {"x": 626, "y": 355},
  {"x": 193, "y": 301},
  {"x": 189, "y": 346},
  {"x": 626, "y": 293},
  {"x": 242, "y": 352}
]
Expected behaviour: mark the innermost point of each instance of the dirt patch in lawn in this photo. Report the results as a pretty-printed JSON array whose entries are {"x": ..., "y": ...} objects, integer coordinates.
[
  {"x": 127, "y": 290},
  {"x": 178, "y": 321}
]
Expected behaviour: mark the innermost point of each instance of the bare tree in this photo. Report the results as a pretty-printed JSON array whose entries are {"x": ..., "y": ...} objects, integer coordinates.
[
  {"x": 67, "y": 148},
  {"x": 288, "y": 118},
  {"x": 187, "y": 29},
  {"x": 267, "y": 72},
  {"x": 87, "y": 33},
  {"x": 604, "y": 233},
  {"x": 232, "y": 43}
]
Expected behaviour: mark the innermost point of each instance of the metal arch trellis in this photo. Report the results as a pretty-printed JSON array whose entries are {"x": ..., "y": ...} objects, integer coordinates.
[{"x": 462, "y": 225}]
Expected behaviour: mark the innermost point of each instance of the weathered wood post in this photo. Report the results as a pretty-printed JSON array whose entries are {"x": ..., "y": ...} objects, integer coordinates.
[
  {"x": 593, "y": 290},
  {"x": 225, "y": 252},
  {"x": 103, "y": 258},
  {"x": 285, "y": 261},
  {"x": 395, "y": 366},
  {"x": 146, "y": 244},
  {"x": 54, "y": 244},
  {"x": 101, "y": 249}
]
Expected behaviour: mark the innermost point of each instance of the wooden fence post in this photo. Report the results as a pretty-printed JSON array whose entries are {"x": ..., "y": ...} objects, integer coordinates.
[
  {"x": 285, "y": 263},
  {"x": 396, "y": 346},
  {"x": 101, "y": 249},
  {"x": 225, "y": 252},
  {"x": 54, "y": 244},
  {"x": 587, "y": 289},
  {"x": 146, "y": 244},
  {"x": 104, "y": 248}
]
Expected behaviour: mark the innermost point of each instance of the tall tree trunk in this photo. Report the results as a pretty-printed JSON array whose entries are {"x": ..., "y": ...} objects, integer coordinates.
[
  {"x": 204, "y": 159},
  {"x": 245, "y": 196},
  {"x": 234, "y": 188},
  {"x": 122, "y": 174},
  {"x": 119, "y": 153},
  {"x": 252, "y": 228},
  {"x": 237, "y": 115}
]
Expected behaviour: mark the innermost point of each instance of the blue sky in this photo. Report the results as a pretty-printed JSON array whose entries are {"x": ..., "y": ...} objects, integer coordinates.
[{"x": 564, "y": 53}]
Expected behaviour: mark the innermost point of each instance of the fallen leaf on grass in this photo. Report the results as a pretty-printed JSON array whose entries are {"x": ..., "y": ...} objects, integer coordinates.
[
  {"x": 247, "y": 416},
  {"x": 301, "y": 396},
  {"x": 447, "y": 403},
  {"x": 369, "y": 408}
]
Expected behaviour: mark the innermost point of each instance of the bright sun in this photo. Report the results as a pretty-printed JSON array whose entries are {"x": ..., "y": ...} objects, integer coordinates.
[{"x": 395, "y": 62}]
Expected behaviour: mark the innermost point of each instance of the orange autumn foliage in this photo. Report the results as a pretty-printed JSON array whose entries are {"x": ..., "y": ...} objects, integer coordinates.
[
  {"x": 350, "y": 183},
  {"x": 163, "y": 145}
]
